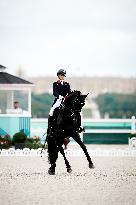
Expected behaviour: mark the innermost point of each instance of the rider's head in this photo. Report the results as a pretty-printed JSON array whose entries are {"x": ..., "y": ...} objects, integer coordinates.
[{"x": 61, "y": 74}]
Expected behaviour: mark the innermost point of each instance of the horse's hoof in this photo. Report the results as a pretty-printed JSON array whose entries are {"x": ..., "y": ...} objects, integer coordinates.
[
  {"x": 69, "y": 170},
  {"x": 91, "y": 166},
  {"x": 51, "y": 172}
]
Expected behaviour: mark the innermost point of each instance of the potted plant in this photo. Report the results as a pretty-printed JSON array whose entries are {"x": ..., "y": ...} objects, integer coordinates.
[
  {"x": 19, "y": 139},
  {"x": 33, "y": 143},
  {"x": 5, "y": 142}
]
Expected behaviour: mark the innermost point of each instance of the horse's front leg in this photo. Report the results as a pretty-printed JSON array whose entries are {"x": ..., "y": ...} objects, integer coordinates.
[
  {"x": 77, "y": 138},
  {"x": 69, "y": 170},
  {"x": 53, "y": 154}
]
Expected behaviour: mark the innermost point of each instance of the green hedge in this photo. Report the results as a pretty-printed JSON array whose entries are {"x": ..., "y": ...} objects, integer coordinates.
[{"x": 33, "y": 143}]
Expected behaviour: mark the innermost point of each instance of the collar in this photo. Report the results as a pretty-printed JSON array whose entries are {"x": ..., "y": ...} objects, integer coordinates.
[{"x": 60, "y": 81}]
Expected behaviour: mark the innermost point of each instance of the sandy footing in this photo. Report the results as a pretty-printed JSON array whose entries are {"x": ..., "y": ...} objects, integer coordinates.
[{"x": 25, "y": 181}]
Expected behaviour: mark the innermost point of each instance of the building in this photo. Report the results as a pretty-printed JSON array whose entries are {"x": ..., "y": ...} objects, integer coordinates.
[
  {"x": 13, "y": 118},
  {"x": 93, "y": 85}
]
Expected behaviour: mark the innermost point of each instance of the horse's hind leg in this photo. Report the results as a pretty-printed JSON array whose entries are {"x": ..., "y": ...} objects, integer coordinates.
[
  {"x": 77, "y": 138},
  {"x": 69, "y": 170}
]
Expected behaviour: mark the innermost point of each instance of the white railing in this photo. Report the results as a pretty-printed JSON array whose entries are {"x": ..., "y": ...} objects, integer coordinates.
[
  {"x": 97, "y": 152},
  {"x": 130, "y": 151},
  {"x": 39, "y": 120},
  {"x": 132, "y": 129},
  {"x": 132, "y": 121}
]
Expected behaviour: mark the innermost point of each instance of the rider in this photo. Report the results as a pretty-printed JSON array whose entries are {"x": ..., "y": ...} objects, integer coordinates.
[{"x": 60, "y": 90}]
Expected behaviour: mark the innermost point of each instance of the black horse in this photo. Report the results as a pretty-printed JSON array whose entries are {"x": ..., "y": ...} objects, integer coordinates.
[{"x": 66, "y": 122}]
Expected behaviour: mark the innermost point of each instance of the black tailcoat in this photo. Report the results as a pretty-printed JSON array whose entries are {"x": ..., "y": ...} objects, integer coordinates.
[{"x": 61, "y": 89}]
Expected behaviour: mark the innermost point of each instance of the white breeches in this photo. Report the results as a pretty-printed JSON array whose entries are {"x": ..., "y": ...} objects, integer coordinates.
[{"x": 57, "y": 104}]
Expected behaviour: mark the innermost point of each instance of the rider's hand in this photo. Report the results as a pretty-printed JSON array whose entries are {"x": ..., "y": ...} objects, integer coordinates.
[{"x": 61, "y": 97}]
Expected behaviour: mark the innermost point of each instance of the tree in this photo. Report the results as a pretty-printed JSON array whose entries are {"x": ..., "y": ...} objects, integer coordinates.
[
  {"x": 41, "y": 104},
  {"x": 117, "y": 105}
]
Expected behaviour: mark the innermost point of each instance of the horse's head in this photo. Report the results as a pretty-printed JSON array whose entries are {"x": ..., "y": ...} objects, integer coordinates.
[{"x": 76, "y": 100}]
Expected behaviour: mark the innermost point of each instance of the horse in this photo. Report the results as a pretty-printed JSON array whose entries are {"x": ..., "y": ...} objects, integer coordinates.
[{"x": 66, "y": 122}]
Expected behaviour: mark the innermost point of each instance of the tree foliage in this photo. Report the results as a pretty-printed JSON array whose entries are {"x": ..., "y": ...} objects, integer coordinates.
[
  {"x": 117, "y": 105},
  {"x": 41, "y": 104}
]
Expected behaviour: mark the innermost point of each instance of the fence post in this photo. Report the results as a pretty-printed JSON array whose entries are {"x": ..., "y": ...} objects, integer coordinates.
[
  {"x": 81, "y": 134},
  {"x": 133, "y": 131}
]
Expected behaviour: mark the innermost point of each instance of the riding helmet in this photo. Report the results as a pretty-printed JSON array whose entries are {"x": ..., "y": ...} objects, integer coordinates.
[{"x": 61, "y": 72}]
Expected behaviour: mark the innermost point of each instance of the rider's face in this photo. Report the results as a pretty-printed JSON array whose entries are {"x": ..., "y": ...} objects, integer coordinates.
[{"x": 61, "y": 77}]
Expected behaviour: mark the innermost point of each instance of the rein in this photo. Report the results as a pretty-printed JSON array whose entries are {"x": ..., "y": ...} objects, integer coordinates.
[{"x": 64, "y": 106}]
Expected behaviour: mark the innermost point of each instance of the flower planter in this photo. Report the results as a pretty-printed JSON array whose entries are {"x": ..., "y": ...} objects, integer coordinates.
[{"x": 19, "y": 145}]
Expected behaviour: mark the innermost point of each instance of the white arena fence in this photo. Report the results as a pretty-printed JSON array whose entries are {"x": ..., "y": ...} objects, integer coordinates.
[
  {"x": 96, "y": 152},
  {"x": 129, "y": 151},
  {"x": 131, "y": 130}
]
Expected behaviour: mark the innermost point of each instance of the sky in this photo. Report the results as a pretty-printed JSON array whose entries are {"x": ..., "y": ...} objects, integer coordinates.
[{"x": 85, "y": 37}]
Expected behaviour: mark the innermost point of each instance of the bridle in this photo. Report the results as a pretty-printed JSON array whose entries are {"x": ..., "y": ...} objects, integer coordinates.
[{"x": 64, "y": 106}]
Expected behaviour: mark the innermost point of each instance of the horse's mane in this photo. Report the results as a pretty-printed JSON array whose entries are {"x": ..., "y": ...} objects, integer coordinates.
[
  {"x": 72, "y": 95},
  {"x": 75, "y": 100}
]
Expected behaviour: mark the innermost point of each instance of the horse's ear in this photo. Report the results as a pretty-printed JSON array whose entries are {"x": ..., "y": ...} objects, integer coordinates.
[{"x": 86, "y": 95}]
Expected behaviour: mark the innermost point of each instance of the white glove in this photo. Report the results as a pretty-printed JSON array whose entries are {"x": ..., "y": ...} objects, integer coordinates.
[{"x": 60, "y": 97}]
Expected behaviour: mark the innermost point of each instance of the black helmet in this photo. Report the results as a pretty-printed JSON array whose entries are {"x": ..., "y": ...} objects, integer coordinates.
[{"x": 61, "y": 72}]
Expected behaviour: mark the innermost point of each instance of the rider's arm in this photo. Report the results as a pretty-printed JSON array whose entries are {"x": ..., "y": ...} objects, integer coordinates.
[
  {"x": 55, "y": 92},
  {"x": 69, "y": 89}
]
